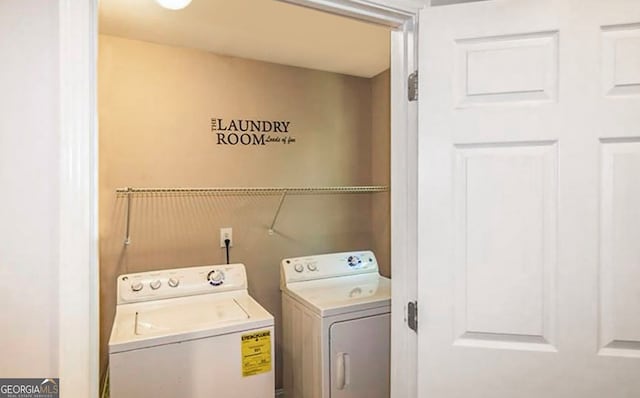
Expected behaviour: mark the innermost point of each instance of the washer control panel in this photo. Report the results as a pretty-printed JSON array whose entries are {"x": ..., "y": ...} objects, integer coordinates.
[
  {"x": 321, "y": 266},
  {"x": 178, "y": 282}
]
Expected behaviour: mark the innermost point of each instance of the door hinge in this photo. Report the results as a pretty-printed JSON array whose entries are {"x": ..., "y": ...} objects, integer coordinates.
[
  {"x": 412, "y": 315},
  {"x": 412, "y": 84}
]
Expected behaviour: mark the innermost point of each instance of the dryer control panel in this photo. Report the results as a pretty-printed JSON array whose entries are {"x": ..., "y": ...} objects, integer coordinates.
[
  {"x": 299, "y": 269},
  {"x": 179, "y": 282}
]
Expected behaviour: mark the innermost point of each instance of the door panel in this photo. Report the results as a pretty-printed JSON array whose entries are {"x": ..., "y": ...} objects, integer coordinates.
[
  {"x": 505, "y": 262},
  {"x": 360, "y": 357},
  {"x": 526, "y": 64},
  {"x": 621, "y": 59},
  {"x": 620, "y": 249},
  {"x": 529, "y": 179}
]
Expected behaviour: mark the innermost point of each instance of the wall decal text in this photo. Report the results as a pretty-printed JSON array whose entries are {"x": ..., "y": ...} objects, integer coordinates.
[{"x": 251, "y": 132}]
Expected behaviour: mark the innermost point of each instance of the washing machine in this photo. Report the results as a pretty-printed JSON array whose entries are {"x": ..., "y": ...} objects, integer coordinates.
[
  {"x": 336, "y": 326},
  {"x": 190, "y": 332}
]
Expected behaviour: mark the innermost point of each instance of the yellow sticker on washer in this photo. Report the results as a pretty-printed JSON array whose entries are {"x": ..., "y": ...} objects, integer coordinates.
[{"x": 256, "y": 353}]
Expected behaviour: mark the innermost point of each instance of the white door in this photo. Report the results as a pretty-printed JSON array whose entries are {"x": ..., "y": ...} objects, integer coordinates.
[
  {"x": 529, "y": 199},
  {"x": 360, "y": 357}
]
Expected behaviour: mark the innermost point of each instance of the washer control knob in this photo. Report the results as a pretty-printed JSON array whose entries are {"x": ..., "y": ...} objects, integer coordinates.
[
  {"x": 312, "y": 267},
  {"x": 136, "y": 286},
  {"x": 155, "y": 285},
  {"x": 353, "y": 261},
  {"x": 215, "y": 277},
  {"x": 298, "y": 267},
  {"x": 173, "y": 282}
]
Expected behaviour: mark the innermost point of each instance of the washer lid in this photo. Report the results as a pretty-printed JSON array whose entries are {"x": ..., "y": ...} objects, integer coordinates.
[
  {"x": 334, "y": 296},
  {"x": 185, "y": 316},
  {"x": 153, "y": 323}
]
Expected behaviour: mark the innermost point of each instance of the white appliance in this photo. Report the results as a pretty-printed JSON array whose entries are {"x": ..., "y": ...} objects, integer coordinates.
[
  {"x": 190, "y": 332},
  {"x": 336, "y": 326}
]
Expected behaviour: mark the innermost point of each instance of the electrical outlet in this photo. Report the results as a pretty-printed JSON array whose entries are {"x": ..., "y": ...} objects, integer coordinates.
[{"x": 226, "y": 233}]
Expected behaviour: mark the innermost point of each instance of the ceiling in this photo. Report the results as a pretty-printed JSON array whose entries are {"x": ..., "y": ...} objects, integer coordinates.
[{"x": 264, "y": 30}]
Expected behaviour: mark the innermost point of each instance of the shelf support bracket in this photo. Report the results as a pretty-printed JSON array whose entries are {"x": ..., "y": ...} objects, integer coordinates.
[
  {"x": 275, "y": 218},
  {"x": 127, "y": 232}
]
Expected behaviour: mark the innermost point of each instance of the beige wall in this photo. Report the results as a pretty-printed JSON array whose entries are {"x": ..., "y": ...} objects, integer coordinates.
[
  {"x": 381, "y": 168},
  {"x": 29, "y": 177},
  {"x": 155, "y": 106}
]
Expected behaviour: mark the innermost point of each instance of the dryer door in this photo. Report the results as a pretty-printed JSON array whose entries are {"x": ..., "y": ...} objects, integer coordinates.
[{"x": 360, "y": 357}]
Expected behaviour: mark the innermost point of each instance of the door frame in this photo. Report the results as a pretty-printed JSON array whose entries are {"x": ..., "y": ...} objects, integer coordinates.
[
  {"x": 78, "y": 279},
  {"x": 78, "y": 274}
]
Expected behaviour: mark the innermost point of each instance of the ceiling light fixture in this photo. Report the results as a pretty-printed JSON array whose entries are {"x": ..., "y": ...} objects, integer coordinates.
[{"x": 174, "y": 4}]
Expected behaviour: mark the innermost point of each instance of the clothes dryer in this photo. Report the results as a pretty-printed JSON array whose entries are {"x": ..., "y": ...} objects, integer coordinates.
[{"x": 336, "y": 326}]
